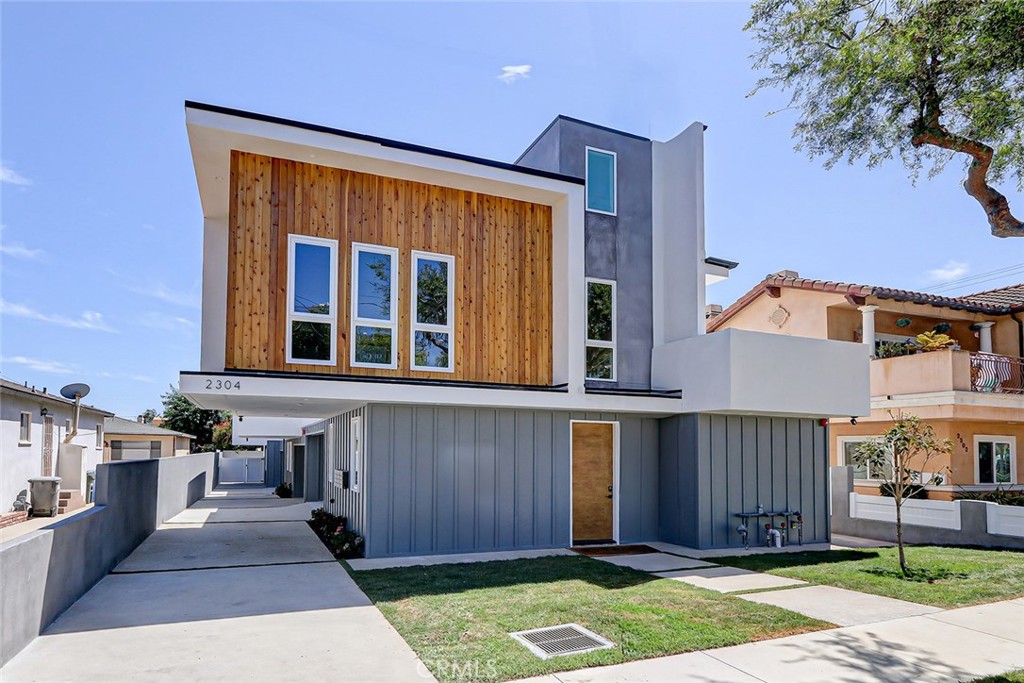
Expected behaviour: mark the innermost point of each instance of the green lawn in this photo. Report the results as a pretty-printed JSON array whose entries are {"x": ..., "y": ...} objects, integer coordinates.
[
  {"x": 1009, "y": 677},
  {"x": 943, "y": 577},
  {"x": 457, "y": 617}
]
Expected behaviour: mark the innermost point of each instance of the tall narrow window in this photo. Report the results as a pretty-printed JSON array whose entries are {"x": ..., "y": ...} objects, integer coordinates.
[
  {"x": 601, "y": 329},
  {"x": 995, "y": 459},
  {"x": 355, "y": 454},
  {"x": 433, "y": 312},
  {"x": 312, "y": 300},
  {"x": 99, "y": 436},
  {"x": 601, "y": 181},
  {"x": 25, "y": 433},
  {"x": 374, "y": 310}
]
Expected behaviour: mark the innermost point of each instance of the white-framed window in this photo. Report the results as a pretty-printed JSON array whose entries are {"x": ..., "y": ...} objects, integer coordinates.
[
  {"x": 601, "y": 182},
  {"x": 67, "y": 425},
  {"x": 289, "y": 456},
  {"x": 99, "y": 436},
  {"x": 374, "y": 331},
  {"x": 355, "y": 451},
  {"x": 433, "y": 312},
  {"x": 862, "y": 472},
  {"x": 312, "y": 300},
  {"x": 25, "y": 431},
  {"x": 600, "y": 351},
  {"x": 995, "y": 459}
]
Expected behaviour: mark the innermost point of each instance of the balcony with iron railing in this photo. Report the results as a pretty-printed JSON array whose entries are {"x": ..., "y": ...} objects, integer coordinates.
[{"x": 947, "y": 370}]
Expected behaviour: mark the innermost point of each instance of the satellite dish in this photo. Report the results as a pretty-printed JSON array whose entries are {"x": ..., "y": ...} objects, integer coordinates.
[{"x": 75, "y": 391}]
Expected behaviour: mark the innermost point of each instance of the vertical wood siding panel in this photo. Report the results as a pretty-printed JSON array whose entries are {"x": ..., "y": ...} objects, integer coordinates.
[
  {"x": 467, "y": 503},
  {"x": 751, "y": 495},
  {"x": 487, "y": 481},
  {"x": 506, "y": 466},
  {"x": 544, "y": 532},
  {"x": 445, "y": 503},
  {"x": 420, "y": 464}
]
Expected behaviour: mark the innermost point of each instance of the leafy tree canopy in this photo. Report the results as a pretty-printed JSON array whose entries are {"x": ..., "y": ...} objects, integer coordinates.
[
  {"x": 926, "y": 81},
  {"x": 180, "y": 414}
]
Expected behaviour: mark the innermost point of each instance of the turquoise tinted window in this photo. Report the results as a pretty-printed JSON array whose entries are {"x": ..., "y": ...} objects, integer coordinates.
[
  {"x": 312, "y": 279},
  {"x": 600, "y": 181},
  {"x": 374, "y": 287}
]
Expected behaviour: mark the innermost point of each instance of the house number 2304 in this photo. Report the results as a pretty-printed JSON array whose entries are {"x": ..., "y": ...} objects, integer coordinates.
[{"x": 222, "y": 385}]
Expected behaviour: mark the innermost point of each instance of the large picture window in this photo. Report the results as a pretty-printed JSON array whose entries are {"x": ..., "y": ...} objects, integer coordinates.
[
  {"x": 433, "y": 312},
  {"x": 374, "y": 306},
  {"x": 995, "y": 459},
  {"x": 600, "y": 181},
  {"x": 600, "y": 329},
  {"x": 864, "y": 472},
  {"x": 312, "y": 300}
]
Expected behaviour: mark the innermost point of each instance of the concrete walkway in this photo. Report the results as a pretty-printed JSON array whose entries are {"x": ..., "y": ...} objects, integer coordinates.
[
  {"x": 883, "y": 640},
  {"x": 236, "y": 588}
]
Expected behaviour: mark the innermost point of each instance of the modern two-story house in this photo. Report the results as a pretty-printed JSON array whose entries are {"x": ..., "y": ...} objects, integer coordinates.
[
  {"x": 475, "y": 355},
  {"x": 971, "y": 393}
]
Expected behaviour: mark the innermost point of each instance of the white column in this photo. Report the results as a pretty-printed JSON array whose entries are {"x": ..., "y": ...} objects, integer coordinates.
[
  {"x": 868, "y": 327},
  {"x": 985, "y": 336}
]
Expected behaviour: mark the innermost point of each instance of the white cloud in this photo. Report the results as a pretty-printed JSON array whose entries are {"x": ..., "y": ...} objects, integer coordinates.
[
  {"x": 88, "y": 320},
  {"x": 951, "y": 271},
  {"x": 15, "y": 250},
  {"x": 51, "y": 366},
  {"x": 142, "y": 378},
  {"x": 189, "y": 299},
  {"x": 11, "y": 177},
  {"x": 169, "y": 323},
  {"x": 512, "y": 73}
]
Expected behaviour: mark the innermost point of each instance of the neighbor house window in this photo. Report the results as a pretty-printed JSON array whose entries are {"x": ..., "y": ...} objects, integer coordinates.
[
  {"x": 433, "y": 312},
  {"x": 25, "y": 433},
  {"x": 355, "y": 453},
  {"x": 600, "y": 329},
  {"x": 374, "y": 306},
  {"x": 863, "y": 471},
  {"x": 312, "y": 300},
  {"x": 601, "y": 181},
  {"x": 995, "y": 459},
  {"x": 99, "y": 436}
]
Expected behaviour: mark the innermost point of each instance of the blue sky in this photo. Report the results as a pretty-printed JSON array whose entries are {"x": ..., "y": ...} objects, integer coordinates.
[{"x": 101, "y": 241}]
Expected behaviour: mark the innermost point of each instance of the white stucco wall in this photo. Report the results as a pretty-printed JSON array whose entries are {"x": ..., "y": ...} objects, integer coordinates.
[
  {"x": 18, "y": 463},
  {"x": 738, "y": 371}
]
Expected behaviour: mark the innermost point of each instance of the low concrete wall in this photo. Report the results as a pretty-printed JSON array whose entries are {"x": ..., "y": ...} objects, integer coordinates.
[
  {"x": 46, "y": 571},
  {"x": 973, "y": 527}
]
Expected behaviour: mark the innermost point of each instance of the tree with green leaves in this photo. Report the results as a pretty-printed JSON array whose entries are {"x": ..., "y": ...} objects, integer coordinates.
[
  {"x": 901, "y": 456},
  {"x": 181, "y": 414},
  {"x": 926, "y": 81}
]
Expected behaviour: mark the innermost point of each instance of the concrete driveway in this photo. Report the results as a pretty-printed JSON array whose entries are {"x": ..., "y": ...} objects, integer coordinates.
[{"x": 235, "y": 588}]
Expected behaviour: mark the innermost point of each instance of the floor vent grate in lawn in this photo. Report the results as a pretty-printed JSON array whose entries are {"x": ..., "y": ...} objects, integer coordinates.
[{"x": 566, "y": 639}]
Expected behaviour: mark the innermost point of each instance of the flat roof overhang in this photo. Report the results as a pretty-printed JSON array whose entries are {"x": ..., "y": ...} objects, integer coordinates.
[
  {"x": 215, "y": 131},
  {"x": 279, "y": 395}
]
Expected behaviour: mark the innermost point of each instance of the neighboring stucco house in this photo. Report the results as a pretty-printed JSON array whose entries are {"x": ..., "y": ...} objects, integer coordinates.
[
  {"x": 33, "y": 425},
  {"x": 972, "y": 395},
  {"x": 134, "y": 440},
  {"x": 486, "y": 355}
]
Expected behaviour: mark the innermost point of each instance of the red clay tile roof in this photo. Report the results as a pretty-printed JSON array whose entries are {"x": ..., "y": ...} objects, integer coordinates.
[
  {"x": 997, "y": 301},
  {"x": 1010, "y": 297}
]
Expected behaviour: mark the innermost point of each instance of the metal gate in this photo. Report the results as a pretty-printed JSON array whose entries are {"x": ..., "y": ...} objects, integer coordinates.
[{"x": 241, "y": 467}]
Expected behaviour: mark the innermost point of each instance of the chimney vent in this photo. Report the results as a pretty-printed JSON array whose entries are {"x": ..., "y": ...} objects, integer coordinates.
[
  {"x": 712, "y": 311},
  {"x": 786, "y": 273}
]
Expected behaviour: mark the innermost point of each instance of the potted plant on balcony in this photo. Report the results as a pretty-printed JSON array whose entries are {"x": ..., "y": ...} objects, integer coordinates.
[
  {"x": 933, "y": 341},
  {"x": 891, "y": 349}
]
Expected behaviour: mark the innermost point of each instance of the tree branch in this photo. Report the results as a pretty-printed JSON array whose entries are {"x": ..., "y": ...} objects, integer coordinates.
[{"x": 996, "y": 206}]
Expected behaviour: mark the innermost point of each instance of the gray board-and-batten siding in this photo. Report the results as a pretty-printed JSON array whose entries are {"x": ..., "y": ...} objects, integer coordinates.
[{"x": 461, "y": 479}]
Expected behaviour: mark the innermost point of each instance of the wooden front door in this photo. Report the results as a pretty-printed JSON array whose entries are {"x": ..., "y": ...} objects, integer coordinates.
[{"x": 593, "y": 448}]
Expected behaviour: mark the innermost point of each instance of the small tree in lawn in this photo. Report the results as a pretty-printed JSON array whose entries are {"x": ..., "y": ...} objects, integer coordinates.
[{"x": 902, "y": 454}]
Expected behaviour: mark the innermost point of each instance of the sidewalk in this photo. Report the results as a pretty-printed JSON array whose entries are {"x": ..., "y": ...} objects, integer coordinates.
[
  {"x": 236, "y": 588},
  {"x": 880, "y": 639}
]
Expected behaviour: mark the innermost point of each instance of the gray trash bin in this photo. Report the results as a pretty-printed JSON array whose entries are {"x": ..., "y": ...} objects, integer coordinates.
[{"x": 44, "y": 492}]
